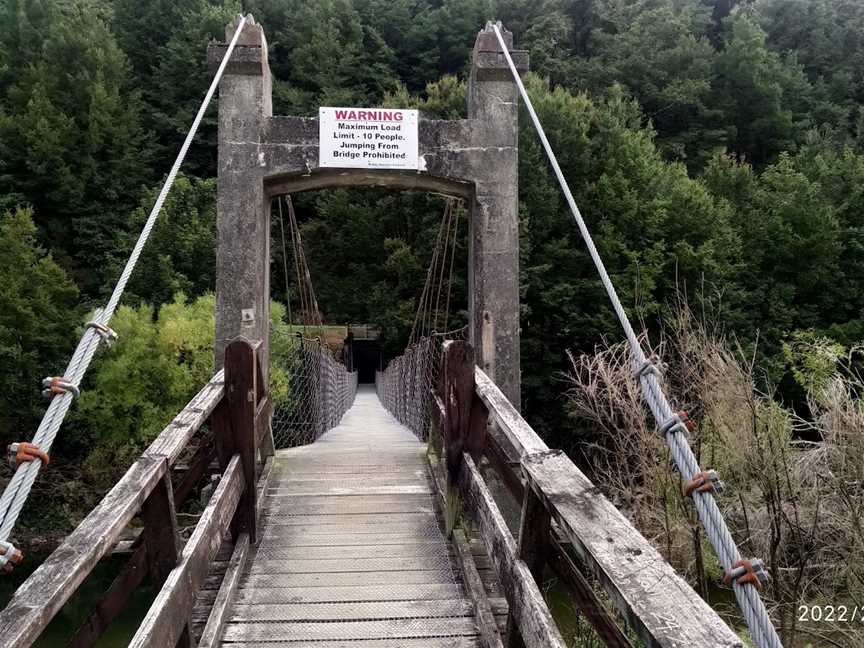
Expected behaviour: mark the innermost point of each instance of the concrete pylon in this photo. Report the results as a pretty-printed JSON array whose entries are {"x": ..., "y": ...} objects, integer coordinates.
[
  {"x": 493, "y": 99},
  {"x": 475, "y": 159}
]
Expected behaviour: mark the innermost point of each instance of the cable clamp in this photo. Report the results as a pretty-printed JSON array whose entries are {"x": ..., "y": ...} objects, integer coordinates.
[
  {"x": 9, "y": 556},
  {"x": 23, "y": 452},
  {"x": 649, "y": 366},
  {"x": 673, "y": 424},
  {"x": 108, "y": 335},
  {"x": 747, "y": 572},
  {"x": 707, "y": 481},
  {"x": 53, "y": 385}
]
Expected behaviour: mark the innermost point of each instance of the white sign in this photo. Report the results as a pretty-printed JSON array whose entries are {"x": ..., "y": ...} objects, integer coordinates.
[{"x": 367, "y": 138}]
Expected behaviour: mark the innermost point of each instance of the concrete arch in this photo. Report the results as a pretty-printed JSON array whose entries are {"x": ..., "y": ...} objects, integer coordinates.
[{"x": 476, "y": 159}]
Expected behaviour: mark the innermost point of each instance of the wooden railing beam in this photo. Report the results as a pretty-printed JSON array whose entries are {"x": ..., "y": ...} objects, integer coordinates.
[{"x": 168, "y": 616}]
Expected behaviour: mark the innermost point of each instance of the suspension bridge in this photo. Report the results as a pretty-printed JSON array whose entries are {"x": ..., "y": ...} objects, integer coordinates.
[{"x": 423, "y": 512}]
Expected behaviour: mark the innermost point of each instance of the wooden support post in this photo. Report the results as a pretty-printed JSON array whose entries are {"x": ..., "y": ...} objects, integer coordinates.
[
  {"x": 234, "y": 425},
  {"x": 457, "y": 395},
  {"x": 114, "y": 601},
  {"x": 534, "y": 541},
  {"x": 161, "y": 537}
]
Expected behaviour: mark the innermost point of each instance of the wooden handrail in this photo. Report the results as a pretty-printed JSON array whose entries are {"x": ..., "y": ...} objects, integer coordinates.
[
  {"x": 561, "y": 504},
  {"x": 44, "y": 593}
]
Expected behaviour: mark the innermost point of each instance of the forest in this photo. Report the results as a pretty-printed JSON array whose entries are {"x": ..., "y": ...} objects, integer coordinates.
[{"x": 716, "y": 148}]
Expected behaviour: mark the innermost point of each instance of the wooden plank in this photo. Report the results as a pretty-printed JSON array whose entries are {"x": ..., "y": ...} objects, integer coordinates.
[
  {"x": 533, "y": 549},
  {"x": 353, "y": 552},
  {"x": 340, "y": 565},
  {"x": 212, "y": 634},
  {"x": 489, "y": 634},
  {"x": 42, "y": 595},
  {"x": 586, "y": 599},
  {"x": 330, "y": 631},
  {"x": 655, "y": 600},
  {"x": 532, "y": 615},
  {"x": 340, "y": 611},
  {"x": 521, "y": 435},
  {"x": 397, "y": 592},
  {"x": 160, "y": 531},
  {"x": 197, "y": 467},
  {"x": 242, "y": 396},
  {"x": 163, "y": 624},
  {"x": 114, "y": 601},
  {"x": 349, "y": 579},
  {"x": 425, "y": 642}
]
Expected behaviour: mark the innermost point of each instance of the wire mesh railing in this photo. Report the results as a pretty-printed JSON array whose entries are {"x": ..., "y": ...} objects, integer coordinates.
[
  {"x": 404, "y": 387},
  {"x": 318, "y": 390}
]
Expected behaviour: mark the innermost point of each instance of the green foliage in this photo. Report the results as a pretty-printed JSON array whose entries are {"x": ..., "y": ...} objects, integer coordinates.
[
  {"x": 38, "y": 317},
  {"x": 71, "y": 140},
  {"x": 181, "y": 253},
  {"x": 134, "y": 389}
]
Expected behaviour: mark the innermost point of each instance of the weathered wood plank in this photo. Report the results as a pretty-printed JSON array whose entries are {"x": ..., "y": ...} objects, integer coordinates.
[
  {"x": 349, "y": 579},
  {"x": 586, "y": 599},
  {"x": 654, "y": 599},
  {"x": 127, "y": 581},
  {"x": 397, "y": 592},
  {"x": 242, "y": 396},
  {"x": 342, "y": 565},
  {"x": 197, "y": 467},
  {"x": 521, "y": 435},
  {"x": 377, "y": 629},
  {"x": 340, "y": 611},
  {"x": 532, "y": 615},
  {"x": 425, "y": 642},
  {"x": 160, "y": 530},
  {"x": 212, "y": 633},
  {"x": 533, "y": 549},
  {"x": 42, "y": 595},
  {"x": 163, "y": 624},
  {"x": 489, "y": 634}
]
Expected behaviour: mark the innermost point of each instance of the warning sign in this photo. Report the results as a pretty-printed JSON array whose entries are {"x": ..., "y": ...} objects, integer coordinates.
[{"x": 367, "y": 138}]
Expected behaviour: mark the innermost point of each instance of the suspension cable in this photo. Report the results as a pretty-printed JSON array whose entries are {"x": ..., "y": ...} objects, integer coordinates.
[
  {"x": 285, "y": 261},
  {"x": 758, "y": 621},
  {"x": 18, "y": 488}
]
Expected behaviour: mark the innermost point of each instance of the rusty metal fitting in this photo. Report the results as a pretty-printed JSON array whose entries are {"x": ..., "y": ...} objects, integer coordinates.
[
  {"x": 707, "y": 481},
  {"x": 54, "y": 385},
  {"x": 9, "y": 556},
  {"x": 108, "y": 335},
  {"x": 747, "y": 572},
  {"x": 23, "y": 452}
]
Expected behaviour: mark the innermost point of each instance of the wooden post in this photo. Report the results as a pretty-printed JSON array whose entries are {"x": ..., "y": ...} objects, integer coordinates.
[
  {"x": 234, "y": 426},
  {"x": 161, "y": 537},
  {"x": 457, "y": 394},
  {"x": 534, "y": 543}
]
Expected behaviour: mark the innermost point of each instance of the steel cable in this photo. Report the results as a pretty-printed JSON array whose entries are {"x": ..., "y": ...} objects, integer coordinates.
[{"x": 761, "y": 628}]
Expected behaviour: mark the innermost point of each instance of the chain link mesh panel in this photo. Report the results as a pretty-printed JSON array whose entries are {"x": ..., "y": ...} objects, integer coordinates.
[
  {"x": 319, "y": 392},
  {"x": 405, "y": 386}
]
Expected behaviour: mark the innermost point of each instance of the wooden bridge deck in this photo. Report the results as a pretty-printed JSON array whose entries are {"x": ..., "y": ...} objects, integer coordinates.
[{"x": 350, "y": 547}]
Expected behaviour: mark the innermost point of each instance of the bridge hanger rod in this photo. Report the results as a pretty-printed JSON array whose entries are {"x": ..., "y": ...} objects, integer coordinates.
[
  {"x": 18, "y": 488},
  {"x": 761, "y": 628}
]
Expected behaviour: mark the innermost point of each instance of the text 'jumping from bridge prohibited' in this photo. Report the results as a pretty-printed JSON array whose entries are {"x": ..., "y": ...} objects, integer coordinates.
[{"x": 367, "y": 138}]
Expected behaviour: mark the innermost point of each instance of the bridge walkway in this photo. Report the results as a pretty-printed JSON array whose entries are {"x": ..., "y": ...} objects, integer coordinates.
[{"x": 350, "y": 546}]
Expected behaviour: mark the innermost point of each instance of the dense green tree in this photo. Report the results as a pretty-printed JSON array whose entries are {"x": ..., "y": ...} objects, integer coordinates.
[
  {"x": 180, "y": 256},
  {"x": 38, "y": 319},
  {"x": 71, "y": 139}
]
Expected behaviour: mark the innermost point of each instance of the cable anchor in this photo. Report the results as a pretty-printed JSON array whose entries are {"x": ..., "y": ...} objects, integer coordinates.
[
  {"x": 23, "y": 452},
  {"x": 108, "y": 335},
  {"x": 747, "y": 572},
  {"x": 54, "y": 385},
  {"x": 707, "y": 481},
  {"x": 9, "y": 556}
]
